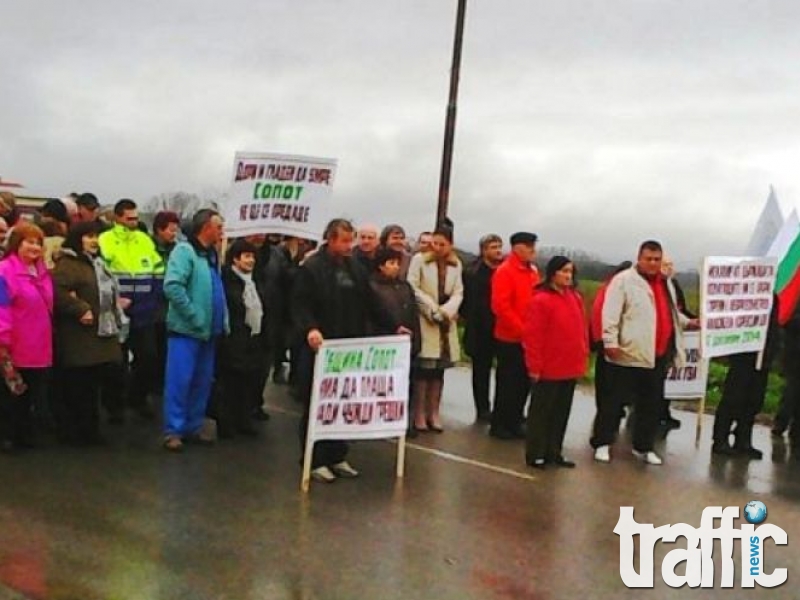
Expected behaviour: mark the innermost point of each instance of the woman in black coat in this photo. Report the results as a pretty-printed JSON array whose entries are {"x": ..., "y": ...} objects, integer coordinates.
[{"x": 244, "y": 353}]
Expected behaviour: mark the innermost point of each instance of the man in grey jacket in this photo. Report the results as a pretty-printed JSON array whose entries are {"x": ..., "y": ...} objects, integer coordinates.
[{"x": 642, "y": 336}]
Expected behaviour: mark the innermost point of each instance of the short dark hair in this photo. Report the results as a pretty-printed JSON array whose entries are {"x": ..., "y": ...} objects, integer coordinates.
[
  {"x": 239, "y": 247},
  {"x": 164, "y": 218},
  {"x": 389, "y": 230},
  {"x": 55, "y": 209},
  {"x": 123, "y": 205},
  {"x": 337, "y": 226},
  {"x": 651, "y": 245},
  {"x": 74, "y": 239},
  {"x": 445, "y": 232},
  {"x": 384, "y": 255},
  {"x": 201, "y": 218}
]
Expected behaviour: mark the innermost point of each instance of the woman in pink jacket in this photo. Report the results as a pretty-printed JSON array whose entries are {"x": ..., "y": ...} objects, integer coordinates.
[
  {"x": 556, "y": 342},
  {"x": 26, "y": 333}
]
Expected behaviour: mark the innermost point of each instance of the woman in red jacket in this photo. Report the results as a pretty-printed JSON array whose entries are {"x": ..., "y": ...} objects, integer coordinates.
[{"x": 556, "y": 351}]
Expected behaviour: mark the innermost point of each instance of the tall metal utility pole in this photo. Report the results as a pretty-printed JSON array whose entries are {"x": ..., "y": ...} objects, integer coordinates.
[{"x": 450, "y": 123}]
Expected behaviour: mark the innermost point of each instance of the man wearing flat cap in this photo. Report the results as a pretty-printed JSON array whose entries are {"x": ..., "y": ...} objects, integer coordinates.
[{"x": 512, "y": 289}]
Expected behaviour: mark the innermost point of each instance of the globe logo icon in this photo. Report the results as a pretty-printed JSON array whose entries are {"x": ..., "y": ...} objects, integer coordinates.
[{"x": 755, "y": 512}]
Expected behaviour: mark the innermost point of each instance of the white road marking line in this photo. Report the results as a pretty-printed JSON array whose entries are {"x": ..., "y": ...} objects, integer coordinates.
[{"x": 440, "y": 453}]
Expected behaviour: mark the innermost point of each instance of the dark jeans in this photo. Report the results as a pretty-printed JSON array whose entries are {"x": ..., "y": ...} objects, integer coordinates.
[
  {"x": 547, "y": 419},
  {"x": 142, "y": 343},
  {"x": 482, "y": 362},
  {"x": 83, "y": 389},
  {"x": 644, "y": 387},
  {"x": 742, "y": 399},
  {"x": 513, "y": 388},
  {"x": 16, "y": 412},
  {"x": 327, "y": 452}
]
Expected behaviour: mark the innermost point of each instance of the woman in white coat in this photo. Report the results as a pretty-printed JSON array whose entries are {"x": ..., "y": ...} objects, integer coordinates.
[{"x": 436, "y": 279}]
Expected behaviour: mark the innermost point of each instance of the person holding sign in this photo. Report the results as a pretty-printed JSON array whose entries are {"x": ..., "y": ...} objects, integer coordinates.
[
  {"x": 555, "y": 339},
  {"x": 642, "y": 336},
  {"x": 331, "y": 299},
  {"x": 436, "y": 279}
]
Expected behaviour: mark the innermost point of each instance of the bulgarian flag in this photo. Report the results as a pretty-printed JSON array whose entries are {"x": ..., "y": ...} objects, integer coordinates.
[{"x": 787, "y": 284}]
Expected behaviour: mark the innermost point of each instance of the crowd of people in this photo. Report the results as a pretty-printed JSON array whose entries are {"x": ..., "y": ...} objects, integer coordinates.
[{"x": 97, "y": 312}]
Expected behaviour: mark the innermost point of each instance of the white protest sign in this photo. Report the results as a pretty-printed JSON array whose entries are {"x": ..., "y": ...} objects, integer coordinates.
[
  {"x": 736, "y": 296},
  {"x": 276, "y": 193},
  {"x": 360, "y": 392},
  {"x": 688, "y": 381}
]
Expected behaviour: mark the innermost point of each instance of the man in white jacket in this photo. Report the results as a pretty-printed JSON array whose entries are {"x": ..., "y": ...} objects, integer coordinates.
[{"x": 642, "y": 337}]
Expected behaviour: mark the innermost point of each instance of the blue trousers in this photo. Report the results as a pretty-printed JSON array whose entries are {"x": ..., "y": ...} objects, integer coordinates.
[{"x": 187, "y": 385}]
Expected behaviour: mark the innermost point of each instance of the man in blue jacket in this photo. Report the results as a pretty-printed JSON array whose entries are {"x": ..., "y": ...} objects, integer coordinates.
[{"x": 196, "y": 317}]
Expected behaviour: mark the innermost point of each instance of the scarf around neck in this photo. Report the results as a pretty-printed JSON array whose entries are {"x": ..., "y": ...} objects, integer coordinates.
[{"x": 253, "y": 309}]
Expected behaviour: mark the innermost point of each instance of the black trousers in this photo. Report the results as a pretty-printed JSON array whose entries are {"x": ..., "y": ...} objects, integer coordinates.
[
  {"x": 84, "y": 388},
  {"x": 482, "y": 362},
  {"x": 16, "y": 412},
  {"x": 742, "y": 399},
  {"x": 547, "y": 419},
  {"x": 513, "y": 387},
  {"x": 644, "y": 388},
  {"x": 241, "y": 394},
  {"x": 327, "y": 452},
  {"x": 143, "y": 369}
]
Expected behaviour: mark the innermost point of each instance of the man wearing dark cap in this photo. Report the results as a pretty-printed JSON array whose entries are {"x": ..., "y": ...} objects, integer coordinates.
[
  {"x": 88, "y": 207},
  {"x": 512, "y": 289}
]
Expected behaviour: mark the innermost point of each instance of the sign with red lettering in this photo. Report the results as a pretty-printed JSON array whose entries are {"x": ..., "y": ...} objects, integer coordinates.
[
  {"x": 361, "y": 389},
  {"x": 736, "y": 296},
  {"x": 278, "y": 193},
  {"x": 688, "y": 381}
]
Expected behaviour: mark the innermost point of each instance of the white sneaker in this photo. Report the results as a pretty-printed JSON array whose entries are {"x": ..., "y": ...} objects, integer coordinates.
[
  {"x": 343, "y": 469},
  {"x": 651, "y": 458},
  {"x": 603, "y": 454},
  {"x": 323, "y": 474}
]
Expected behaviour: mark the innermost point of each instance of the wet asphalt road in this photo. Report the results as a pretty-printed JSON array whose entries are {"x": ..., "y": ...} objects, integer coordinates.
[{"x": 469, "y": 520}]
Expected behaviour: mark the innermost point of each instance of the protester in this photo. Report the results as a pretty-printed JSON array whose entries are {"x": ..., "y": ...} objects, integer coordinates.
[
  {"x": 88, "y": 208},
  {"x": 3, "y": 236},
  {"x": 396, "y": 298},
  {"x": 8, "y": 208},
  {"x": 132, "y": 257},
  {"x": 425, "y": 242},
  {"x": 610, "y": 411},
  {"x": 555, "y": 338},
  {"x": 244, "y": 352},
  {"x": 166, "y": 227},
  {"x": 743, "y": 396},
  {"x": 394, "y": 237},
  {"x": 790, "y": 399},
  {"x": 89, "y": 323},
  {"x": 367, "y": 246},
  {"x": 26, "y": 334},
  {"x": 479, "y": 321},
  {"x": 196, "y": 318},
  {"x": 331, "y": 299},
  {"x": 272, "y": 271},
  {"x": 54, "y": 222},
  {"x": 438, "y": 285},
  {"x": 666, "y": 419},
  {"x": 512, "y": 290},
  {"x": 642, "y": 337}
]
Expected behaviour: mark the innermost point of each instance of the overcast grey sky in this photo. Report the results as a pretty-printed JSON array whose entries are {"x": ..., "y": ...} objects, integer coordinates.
[{"x": 594, "y": 123}]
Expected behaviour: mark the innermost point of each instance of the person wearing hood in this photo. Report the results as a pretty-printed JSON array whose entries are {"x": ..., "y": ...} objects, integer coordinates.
[
  {"x": 555, "y": 339},
  {"x": 88, "y": 325}
]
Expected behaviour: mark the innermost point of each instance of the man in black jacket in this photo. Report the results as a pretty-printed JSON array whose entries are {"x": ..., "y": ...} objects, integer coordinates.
[
  {"x": 479, "y": 327},
  {"x": 331, "y": 299}
]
